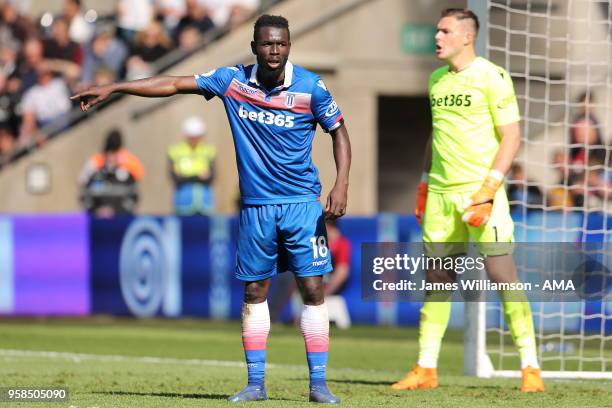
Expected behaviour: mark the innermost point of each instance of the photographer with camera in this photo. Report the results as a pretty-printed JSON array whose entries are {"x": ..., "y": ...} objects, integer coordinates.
[{"x": 109, "y": 180}]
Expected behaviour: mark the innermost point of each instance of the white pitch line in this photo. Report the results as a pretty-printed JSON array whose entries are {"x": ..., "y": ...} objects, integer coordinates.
[
  {"x": 109, "y": 358},
  {"x": 81, "y": 357},
  {"x": 12, "y": 354}
]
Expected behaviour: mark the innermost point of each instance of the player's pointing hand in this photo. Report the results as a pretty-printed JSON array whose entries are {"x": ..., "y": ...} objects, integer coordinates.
[{"x": 92, "y": 96}]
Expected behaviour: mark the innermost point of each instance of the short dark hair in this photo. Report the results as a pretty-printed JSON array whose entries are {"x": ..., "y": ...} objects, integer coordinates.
[
  {"x": 267, "y": 20},
  {"x": 462, "y": 14},
  {"x": 113, "y": 141}
]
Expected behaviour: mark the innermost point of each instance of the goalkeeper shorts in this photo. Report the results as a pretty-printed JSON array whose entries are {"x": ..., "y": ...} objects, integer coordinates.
[{"x": 445, "y": 234}]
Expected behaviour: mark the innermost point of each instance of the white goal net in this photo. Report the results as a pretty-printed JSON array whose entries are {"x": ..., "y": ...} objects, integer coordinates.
[{"x": 559, "y": 53}]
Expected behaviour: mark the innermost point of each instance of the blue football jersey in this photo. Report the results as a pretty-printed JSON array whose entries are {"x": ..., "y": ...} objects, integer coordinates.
[{"x": 273, "y": 130}]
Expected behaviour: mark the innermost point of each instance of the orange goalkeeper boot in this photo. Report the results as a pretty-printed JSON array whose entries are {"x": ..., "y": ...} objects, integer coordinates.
[
  {"x": 532, "y": 380},
  {"x": 418, "y": 378}
]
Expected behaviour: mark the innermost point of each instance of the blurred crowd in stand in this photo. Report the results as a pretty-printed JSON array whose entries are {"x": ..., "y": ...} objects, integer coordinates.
[
  {"x": 582, "y": 176},
  {"x": 44, "y": 59}
]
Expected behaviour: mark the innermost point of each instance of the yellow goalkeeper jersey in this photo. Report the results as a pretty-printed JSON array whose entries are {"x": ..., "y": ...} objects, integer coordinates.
[{"x": 466, "y": 107}]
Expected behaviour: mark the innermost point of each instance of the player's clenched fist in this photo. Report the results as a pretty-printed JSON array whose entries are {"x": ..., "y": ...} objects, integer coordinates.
[
  {"x": 478, "y": 210},
  {"x": 421, "y": 199}
]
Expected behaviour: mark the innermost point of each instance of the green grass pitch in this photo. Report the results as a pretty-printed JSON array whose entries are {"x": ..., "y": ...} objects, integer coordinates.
[{"x": 190, "y": 363}]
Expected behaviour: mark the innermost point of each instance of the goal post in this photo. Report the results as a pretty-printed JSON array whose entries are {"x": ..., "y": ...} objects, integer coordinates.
[
  {"x": 555, "y": 51},
  {"x": 476, "y": 361}
]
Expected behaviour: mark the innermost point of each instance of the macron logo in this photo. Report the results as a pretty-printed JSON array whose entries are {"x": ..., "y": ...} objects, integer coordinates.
[
  {"x": 247, "y": 90},
  {"x": 267, "y": 118}
]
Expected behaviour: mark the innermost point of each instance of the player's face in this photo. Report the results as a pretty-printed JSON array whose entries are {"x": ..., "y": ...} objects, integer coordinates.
[
  {"x": 452, "y": 36},
  {"x": 272, "y": 48}
]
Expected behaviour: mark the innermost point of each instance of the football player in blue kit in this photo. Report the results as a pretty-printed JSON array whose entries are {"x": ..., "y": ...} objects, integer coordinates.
[{"x": 273, "y": 108}]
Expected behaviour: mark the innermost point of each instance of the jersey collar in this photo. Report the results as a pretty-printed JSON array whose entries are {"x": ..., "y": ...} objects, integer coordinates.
[
  {"x": 288, "y": 76},
  {"x": 467, "y": 67}
]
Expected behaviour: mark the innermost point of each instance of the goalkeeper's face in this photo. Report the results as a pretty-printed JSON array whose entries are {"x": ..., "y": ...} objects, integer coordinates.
[{"x": 453, "y": 37}]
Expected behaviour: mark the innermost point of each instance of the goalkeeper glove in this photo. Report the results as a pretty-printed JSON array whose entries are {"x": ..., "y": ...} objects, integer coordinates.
[
  {"x": 421, "y": 198},
  {"x": 478, "y": 209}
]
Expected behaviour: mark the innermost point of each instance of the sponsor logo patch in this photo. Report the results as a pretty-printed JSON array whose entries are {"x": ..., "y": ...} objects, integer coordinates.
[
  {"x": 247, "y": 89},
  {"x": 332, "y": 109},
  {"x": 319, "y": 263},
  {"x": 506, "y": 102},
  {"x": 267, "y": 118}
]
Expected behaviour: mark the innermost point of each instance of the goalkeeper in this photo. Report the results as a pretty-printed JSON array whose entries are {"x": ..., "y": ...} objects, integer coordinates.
[{"x": 476, "y": 135}]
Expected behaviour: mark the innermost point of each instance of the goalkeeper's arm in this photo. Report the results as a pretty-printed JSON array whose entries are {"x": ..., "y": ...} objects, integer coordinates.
[
  {"x": 510, "y": 142},
  {"x": 421, "y": 197},
  {"x": 479, "y": 209}
]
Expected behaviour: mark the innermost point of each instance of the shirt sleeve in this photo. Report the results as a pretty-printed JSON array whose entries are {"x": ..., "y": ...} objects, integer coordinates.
[
  {"x": 324, "y": 108},
  {"x": 214, "y": 83},
  {"x": 502, "y": 99}
]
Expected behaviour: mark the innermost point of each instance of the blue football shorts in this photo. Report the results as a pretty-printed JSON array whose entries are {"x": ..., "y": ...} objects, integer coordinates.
[{"x": 282, "y": 237}]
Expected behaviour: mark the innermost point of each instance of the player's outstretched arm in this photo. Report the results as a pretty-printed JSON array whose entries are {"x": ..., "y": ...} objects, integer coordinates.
[
  {"x": 336, "y": 201},
  {"x": 157, "y": 86}
]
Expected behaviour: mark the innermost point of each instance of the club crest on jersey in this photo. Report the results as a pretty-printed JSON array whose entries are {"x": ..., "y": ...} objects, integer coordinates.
[{"x": 289, "y": 100}]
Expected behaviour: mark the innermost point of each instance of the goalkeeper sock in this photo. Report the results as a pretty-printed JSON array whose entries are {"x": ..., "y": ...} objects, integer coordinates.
[
  {"x": 315, "y": 329},
  {"x": 255, "y": 329},
  {"x": 435, "y": 314},
  {"x": 520, "y": 322}
]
